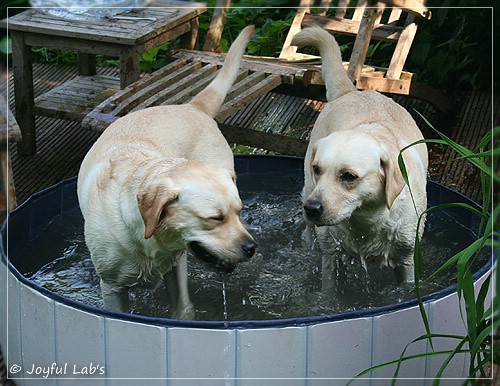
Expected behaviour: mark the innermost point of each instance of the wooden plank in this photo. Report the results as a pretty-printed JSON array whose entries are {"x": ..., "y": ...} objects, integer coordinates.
[
  {"x": 98, "y": 122},
  {"x": 288, "y": 51},
  {"x": 185, "y": 94},
  {"x": 359, "y": 11},
  {"x": 145, "y": 85},
  {"x": 264, "y": 140},
  {"x": 402, "y": 49},
  {"x": 395, "y": 15},
  {"x": 244, "y": 83},
  {"x": 244, "y": 117},
  {"x": 362, "y": 43},
  {"x": 252, "y": 93},
  {"x": 139, "y": 94},
  {"x": 351, "y": 27},
  {"x": 253, "y": 63},
  {"x": 72, "y": 44},
  {"x": 341, "y": 8},
  {"x": 76, "y": 98},
  {"x": 166, "y": 36},
  {"x": 394, "y": 86},
  {"x": 170, "y": 91},
  {"x": 324, "y": 6},
  {"x": 189, "y": 40}
]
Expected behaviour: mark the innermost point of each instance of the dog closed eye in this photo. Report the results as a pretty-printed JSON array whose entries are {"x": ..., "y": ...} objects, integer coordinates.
[{"x": 219, "y": 217}]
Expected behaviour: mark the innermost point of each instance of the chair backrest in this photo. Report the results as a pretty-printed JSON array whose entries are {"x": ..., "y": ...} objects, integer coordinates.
[{"x": 389, "y": 20}]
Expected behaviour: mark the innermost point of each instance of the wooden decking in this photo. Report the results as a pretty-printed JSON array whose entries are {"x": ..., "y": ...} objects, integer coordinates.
[{"x": 62, "y": 144}]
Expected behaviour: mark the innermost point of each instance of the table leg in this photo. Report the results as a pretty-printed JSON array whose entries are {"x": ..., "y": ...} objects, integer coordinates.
[
  {"x": 23, "y": 88},
  {"x": 189, "y": 40},
  {"x": 129, "y": 66},
  {"x": 86, "y": 64}
]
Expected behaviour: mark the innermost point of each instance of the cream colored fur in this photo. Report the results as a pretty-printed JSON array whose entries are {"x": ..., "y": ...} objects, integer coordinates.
[
  {"x": 354, "y": 193},
  {"x": 157, "y": 182}
]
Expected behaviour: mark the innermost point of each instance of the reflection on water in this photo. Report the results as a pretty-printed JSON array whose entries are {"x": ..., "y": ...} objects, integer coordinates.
[{"x": 283, "y": 279}]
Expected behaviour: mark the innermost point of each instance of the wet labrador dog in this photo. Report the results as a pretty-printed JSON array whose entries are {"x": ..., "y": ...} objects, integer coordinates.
[
  {"x": 160, "y": 182},
  {"x": 355, "y": 197}
]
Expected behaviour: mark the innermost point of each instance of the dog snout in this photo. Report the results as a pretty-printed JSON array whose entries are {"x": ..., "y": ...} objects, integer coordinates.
[
  {"x": 248, "y": 247},
  {"x": 314, "y": 209}
]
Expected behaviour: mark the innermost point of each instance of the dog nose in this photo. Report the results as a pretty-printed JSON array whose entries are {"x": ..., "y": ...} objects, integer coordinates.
[
  {"x": 313, "y": 208},
  {"x": 248, "y": 247}
]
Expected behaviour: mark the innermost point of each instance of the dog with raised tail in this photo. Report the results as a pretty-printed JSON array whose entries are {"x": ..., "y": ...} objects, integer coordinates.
[
  {"x": 157, "y": 183},
  {"x": 354, "y": 193}
]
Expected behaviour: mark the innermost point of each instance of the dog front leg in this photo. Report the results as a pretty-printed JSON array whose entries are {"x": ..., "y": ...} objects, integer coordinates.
[
  {"x": 329, "y": 276},
  {"x": 177, "y": 285},
  {"x": 404, "y": 273},
  {"x": 115, "y": 298}
]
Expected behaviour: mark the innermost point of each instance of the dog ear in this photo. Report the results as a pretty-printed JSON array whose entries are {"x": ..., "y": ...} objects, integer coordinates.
[
  {"x": 153, "y": 200},
  {"x": 311, "y": 162},
  {"x": 394, "y": 182}
]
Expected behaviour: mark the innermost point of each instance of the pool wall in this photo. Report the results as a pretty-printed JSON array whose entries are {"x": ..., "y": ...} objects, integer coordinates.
[{"x": 40, "y": 330}]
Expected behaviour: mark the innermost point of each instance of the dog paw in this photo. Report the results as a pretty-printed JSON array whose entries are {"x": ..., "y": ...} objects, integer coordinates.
[{"x": 187, "y": 312}]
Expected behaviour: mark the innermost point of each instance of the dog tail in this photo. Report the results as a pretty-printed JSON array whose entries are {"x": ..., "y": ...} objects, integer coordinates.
[
  {"x": 334, "y": 75},
  {"x": 211, "y": 98}
]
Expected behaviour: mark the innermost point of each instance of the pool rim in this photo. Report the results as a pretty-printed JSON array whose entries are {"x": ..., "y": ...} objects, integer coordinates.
[{"x": 227, "y": 324}]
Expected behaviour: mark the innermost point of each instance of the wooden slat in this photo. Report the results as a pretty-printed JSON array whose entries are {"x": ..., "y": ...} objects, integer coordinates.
[
  {"x": 252, "y": 93},
  {"x": 252, "y": 63},
  {"x": 150, "y": 88},
  {"x": 350, "y": 27},
  {"x": 77, "y": 97},
  {"x": 143, "y": 86},
  {"x": 184, "y": 94},
  {"x": 168, "y": 92},
  {"x": 264, "y": 140},
  {"x": 288, "y": 51},
  {"x": 240, "y": 85},
  {"x": 393, "y": 86},
  {"x": 362, "y": 43},
  {"x": 402, "y": 49},
  {"x": 359, "y": 10}
]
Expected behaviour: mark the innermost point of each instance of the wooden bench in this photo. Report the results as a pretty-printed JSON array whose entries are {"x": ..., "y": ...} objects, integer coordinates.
[
  {"x": 291, "y": 73},
  {"x": 9, "y": 133}
]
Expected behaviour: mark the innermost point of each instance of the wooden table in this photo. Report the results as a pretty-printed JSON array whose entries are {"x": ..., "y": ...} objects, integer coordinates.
[{"x": 125, "y": 38}]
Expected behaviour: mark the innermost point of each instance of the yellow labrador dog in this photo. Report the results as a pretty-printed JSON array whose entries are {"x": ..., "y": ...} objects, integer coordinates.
[
  {"x": 161, "y": 181},
  {"x": 355, "y": 197}
]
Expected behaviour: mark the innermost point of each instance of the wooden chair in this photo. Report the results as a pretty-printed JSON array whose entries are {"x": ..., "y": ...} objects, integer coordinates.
[
  {"x": 368, "y": 21},
  {"x": 190, "y": 71}
]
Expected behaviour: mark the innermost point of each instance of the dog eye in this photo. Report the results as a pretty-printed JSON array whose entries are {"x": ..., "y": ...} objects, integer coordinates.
[
  {"x": 348, "y": 177},
  {"x": 218, "y": 218},
  {"x": 316, "y": 169}
]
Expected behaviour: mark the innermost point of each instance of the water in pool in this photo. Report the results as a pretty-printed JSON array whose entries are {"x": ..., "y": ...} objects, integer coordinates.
[{"x": 283, "y": 279}]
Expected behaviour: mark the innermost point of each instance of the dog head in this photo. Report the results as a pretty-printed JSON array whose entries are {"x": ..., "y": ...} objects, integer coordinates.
[
  {"x": 352, "y": 172},
  {"x": 196, "y": 205}
]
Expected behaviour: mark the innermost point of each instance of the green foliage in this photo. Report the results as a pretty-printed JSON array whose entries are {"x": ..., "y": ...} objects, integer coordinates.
[
  {"x": 480, "y": 323},
  {"x": 454, "y": 48},
  {"x": 270, "y": 18}
]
